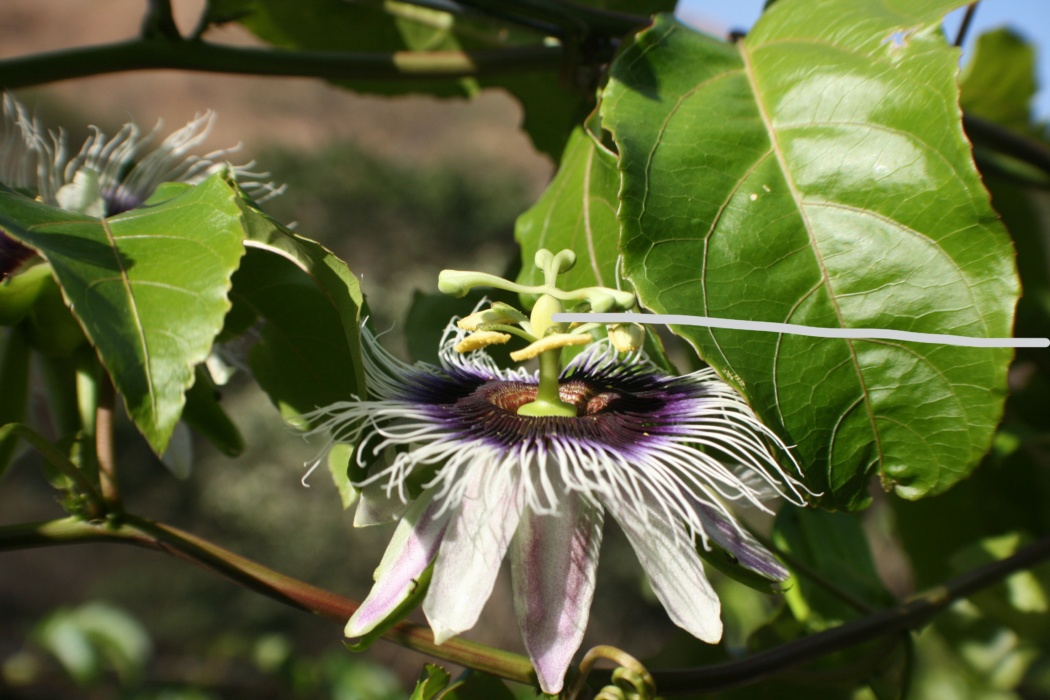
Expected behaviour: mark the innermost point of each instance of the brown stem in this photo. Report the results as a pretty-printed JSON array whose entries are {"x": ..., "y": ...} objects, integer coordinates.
[
  {"x": 907, "y": 616},
  {"x": 147, "y": 54},
  {"x": 104, "y": 450},
  {"x": 254, "y": 576}
]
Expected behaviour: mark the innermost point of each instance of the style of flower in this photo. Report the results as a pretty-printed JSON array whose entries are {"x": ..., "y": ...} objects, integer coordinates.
[{"x": 477, "y": 461}]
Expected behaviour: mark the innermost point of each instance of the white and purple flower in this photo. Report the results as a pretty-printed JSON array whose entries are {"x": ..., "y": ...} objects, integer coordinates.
[
  {"x": 108, "y": 176},
  {"x": 471, "y": 477}
]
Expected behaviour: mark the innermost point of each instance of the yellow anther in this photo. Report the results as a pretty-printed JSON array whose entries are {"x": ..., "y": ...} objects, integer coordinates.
[
  {"x": 476, "y": 341},
  {"x": 551, "y": 342},
  {"x": 471, "y": 322}
]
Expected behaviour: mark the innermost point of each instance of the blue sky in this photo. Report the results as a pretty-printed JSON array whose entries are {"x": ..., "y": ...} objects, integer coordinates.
[{"x": 1030, "y": 18}]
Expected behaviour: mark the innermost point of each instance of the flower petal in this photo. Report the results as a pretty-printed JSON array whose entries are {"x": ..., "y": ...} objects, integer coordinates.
[
  {"x": 666, "y": 550},
  {"x": 375, "y": 507},
  {"x": 553, "y": 565},
  {"x": 740, "y": 543},
  {"x": 473, "y": 547},
  {"x": 410, "y": 551}
]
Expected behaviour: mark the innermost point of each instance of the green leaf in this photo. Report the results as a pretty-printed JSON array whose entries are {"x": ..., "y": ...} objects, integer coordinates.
[
  {"x": 53, "y": 330},
  {"x": 998, "y": 83},
  {"x": 310, "y": 353},
  {"x": 817, "y": 174},
  {"x": 432, "y": 680},
  {"x": 577, "y": 211},
  {"x": 19, "y": 292},
  {"x": 336, "y": 25},
  {"x": 207, "y": 418},
  {"x": 475, "y": 685},
  {"x": 94, "y": 636},
  {"x": 1022, "y": 600},
  {"x": 338, "y": 458},
  {"x": 302, "y": 359},
  {"x": 552, "y": 101},
  {"x": 410, "y": 603},
  {"x": 148, "y": 286},
  {"x": 833, "y": 573}
]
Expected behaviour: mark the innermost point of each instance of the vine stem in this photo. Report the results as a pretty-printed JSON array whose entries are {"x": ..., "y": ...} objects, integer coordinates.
[
  {"x": 141, "y": 532},
  {"x": 907, "y": 616},
  {"x": 129, "y": 529},
  {"x": 153, "y": 53},
  {"x": 107, "y": 468},
  {"x": 964, "y": 27}
]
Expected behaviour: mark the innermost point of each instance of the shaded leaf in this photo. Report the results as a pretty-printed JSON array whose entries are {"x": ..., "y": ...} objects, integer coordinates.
[
  {"x": 432, "y": 680},
  {"x": 148, "y": 286},
  {"x": 817, "y": 174},
  {"x": 577, "y": 211},
  {"x": 475, "y": 685},
  {"x": 95, "y": 636},
  {"x": 833, "y": 547},
  {"x": 998, "y": 83},
  {"x": 332, "y": 367},
  {"x": 207, "y": 418},
  {"x": 19, "y": 292},
  {"x": 301, "y": 358}
]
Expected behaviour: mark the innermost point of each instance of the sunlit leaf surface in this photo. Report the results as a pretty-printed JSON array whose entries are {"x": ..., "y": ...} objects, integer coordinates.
[
  {"x": 817, "y": 174},
  {"x": 148, "y": 286}
]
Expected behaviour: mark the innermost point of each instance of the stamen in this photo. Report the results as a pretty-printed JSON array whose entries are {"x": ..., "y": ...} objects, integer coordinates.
[
  {"x": 551, "y": 342},
  {"x": 480, "y": 339}
]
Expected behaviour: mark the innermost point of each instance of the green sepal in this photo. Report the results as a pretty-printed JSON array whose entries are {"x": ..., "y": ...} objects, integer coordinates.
[
  {"x": 19, "y": 292},
  {"x": 415, "y": 597},
  {"x": 432, "y": 680},
  {"x": 53, "y": 329},
  {"x": 475, "y": 685},
  {"x": 339, "y": 461},
  {"x": 725, "y": 562}
]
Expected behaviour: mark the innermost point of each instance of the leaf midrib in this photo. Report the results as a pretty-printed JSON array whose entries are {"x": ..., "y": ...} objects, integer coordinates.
[{"x": 136, "y": 320}]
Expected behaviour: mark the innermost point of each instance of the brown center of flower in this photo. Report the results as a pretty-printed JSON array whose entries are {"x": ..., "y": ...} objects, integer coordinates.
[{"x": 508, "y": 396}]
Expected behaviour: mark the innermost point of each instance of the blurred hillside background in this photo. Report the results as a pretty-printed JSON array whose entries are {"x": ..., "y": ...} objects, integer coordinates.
[{"x": 400, "y": 188}]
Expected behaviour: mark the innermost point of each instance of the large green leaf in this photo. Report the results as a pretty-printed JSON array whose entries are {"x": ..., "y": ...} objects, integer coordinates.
[
  {"x": 817, "y": 174},
  {"x": 833, "y": 573},
  {"x": 148, "y": 286},
  {"x": 309, "y": 303},
  {"x": 999, "y": 81},
  {"x": 301, "y": 358},
  {"x": 577, "y": 211}
]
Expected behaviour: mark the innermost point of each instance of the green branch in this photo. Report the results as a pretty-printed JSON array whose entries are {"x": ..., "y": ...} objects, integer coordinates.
[
  {"x": 907, "y": 616},
  {"x": 711, "y": 678},
  {"x": 154, "y": 54},
  {"x": 256, "y": 577},
  {"x": 97, "y": 505}
]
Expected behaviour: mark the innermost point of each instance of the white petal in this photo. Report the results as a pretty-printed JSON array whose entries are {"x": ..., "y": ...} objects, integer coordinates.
[
  {"x": 473, "y": 547},
  {"x": 413, "y": 546},
  {"x": 553, "y": 564},
  {"x": 375, "y": 507},
  {"x": 673, "y": 567}
]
